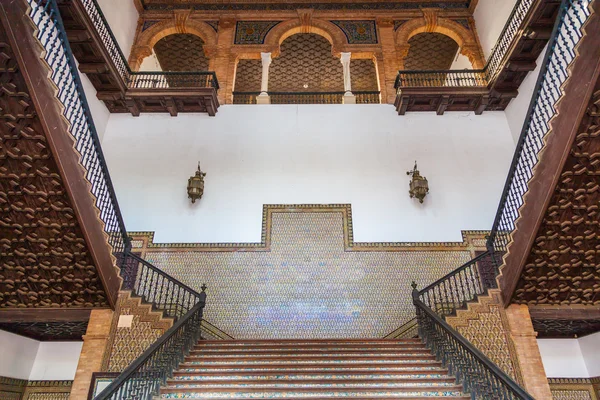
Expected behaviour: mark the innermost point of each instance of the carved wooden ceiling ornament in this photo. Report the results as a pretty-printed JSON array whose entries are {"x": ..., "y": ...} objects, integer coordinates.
[
  {"x": 44, "y": 259},
  {"x": 563, "y": 266}
]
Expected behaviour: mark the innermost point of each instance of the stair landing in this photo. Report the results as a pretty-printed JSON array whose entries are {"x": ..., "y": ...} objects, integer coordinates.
[{"x": 312, "y": 369}]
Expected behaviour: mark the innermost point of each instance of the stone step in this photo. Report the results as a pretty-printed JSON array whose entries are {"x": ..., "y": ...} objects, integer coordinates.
[
  {"x": 259, "y": 393},
  {"x": 296, "y": 342},
  {"x": 320, "y": 364},
  {"x": 297, "y": 375},
  {"x": 308, "y": 353},
  {"x": 309, "y": 347},
  {"x": 323, "y": 380},
  {"x": 434, "y": 367}
]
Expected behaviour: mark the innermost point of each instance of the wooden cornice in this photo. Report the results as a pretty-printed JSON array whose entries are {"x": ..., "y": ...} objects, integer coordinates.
[
  {"x": 584, "y": 73},
  {"x": 10, "y": 315},
  {"x": 574, "y": 312},
  {"x": 13, "y": 16}
]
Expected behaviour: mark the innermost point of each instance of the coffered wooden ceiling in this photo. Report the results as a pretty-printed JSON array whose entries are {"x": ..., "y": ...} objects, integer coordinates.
[{"x": 296, "y": 4}]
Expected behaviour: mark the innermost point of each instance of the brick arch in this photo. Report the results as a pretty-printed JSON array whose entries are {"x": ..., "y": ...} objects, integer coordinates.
[
  {"x": 147, "y": 39},
  {"x": 463, "y": 37},
  {"x": 320, "y": 27}
]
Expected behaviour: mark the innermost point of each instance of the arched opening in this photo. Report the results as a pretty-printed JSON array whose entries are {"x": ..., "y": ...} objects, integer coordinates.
[
  {"x": 434, "y": 51},
  {"x": 179, "y": 52}
]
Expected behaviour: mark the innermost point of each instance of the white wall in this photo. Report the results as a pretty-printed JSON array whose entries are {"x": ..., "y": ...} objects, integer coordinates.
[
  {"x": 571, "y": 358},
  {"x": 286, "y": 154},
  {"x": 519, "y": 106},
  {"x": 28, "y": 359},
  {"x": 590, "y": 349},
  {"x": 490, "y": 17},
  {"x": 461, "y": 62},
  {"x": 150, "y": 63},
  {"x": 56, "y": 361},
  {"x": 100, "y": 113},
  {"x": 17, "y": 355},
  {"x": 122, "y": 18}
]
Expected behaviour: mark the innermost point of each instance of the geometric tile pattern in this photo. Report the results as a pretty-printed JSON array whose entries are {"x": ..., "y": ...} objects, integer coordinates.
[
  {"x": 147, "y": 24},
  {"x": 308, "y": 278},
  {"x": 482, "y": 324},
  {"x": 128, "y": 343},
  {"x": 48, "y": 331},
  {"x": 181, "y": 52},
  {"x": 565, "y": 328},
  {"x": 571, "y": 395},
  {"x": 306, "y": 65},
  {"x": 47, "y": 390},
  {"x": 253, "y": 32},
  {"x": 358, "y": 32},
  {"x": 248, "y": 75},
  {"x": 430, "y": 51},
  {"x": 363, "y": 75}
]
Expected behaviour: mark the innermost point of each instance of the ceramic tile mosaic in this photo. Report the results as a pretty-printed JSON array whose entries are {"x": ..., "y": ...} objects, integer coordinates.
[
  {"x": 571, "y": 395},
  {"x": 308, "y": 279}
]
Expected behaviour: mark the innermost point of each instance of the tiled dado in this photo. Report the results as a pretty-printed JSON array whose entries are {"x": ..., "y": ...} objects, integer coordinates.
[
  {"x": 17, "y": 389},
  {"x": 307, "y": 278},
  {"x": 575, "y": 388}
]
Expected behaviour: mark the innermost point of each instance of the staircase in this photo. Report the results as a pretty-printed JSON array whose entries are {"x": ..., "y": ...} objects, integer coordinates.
[{"x": 312, "y": 369}]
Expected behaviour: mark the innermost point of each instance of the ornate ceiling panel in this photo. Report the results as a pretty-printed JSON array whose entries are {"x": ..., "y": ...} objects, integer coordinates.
[
  {"x": 563, "y": 266},
  {"x": 44, "y": 259},
  {"x": 430, "y": 51},
  {"x": 565, "y": 328},
  {"x": 296, "y": 4},
  {"x": 181, "y": 52},
  {"x": 48, "y": 331}
]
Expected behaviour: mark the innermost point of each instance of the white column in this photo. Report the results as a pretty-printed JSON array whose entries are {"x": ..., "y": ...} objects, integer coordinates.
[
  {"x": 349, "y": 98},
  {"x": 263, "y": 97}
]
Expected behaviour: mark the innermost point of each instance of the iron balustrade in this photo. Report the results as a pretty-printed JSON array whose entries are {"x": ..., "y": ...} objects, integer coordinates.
[
  {"x": 57, "y": 53},
  {"x": 554, "y": 73},
  {"x": 157, "y": 287},
  {"x": 172, "y": 79},
  {"x": 480, "y": 377},
  {"x": 143, "y": 378},
  {"x": 472, "y": 77},
  {"x": 142, "y": 79},
  {"x": 407, "y": 331},
  {"x": 362, "y": 97}
]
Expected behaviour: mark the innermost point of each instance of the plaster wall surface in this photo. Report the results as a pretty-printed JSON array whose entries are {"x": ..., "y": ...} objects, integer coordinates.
[
  {"x": 150, "y": 63},
  {"x": 461, "y": 62},
  {"x": 56, "y": 361},
  {"x": 562, "y": 358},
  {"x": 519, "y": 106},
  {"x": 313, "y": 154},
  {"x": 100, "y": 113},
  {"x": 490, "y": 17},
  {"x": 122, "y": 18},
  {"x": 17, "y": 355},
  {"x": 590, "y": 349}
]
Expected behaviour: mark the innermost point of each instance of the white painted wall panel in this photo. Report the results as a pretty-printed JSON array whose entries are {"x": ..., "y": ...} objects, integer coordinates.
[
  {"x": 56, "y": 361},
  {"x": 590, "y": 349},
  {"x": 490, "y": 17},
  {"x": 122, "y": 18},
  {"x": 17, "y": 355},
  {"x": 100, "y": 113},
  {"x": 562, "y": 358},
  {"x": 274, "y": 154}
]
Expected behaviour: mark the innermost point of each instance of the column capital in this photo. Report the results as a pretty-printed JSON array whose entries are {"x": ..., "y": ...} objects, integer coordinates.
[
  {"x": 266, "y": 58},
  {"x": 345, "y": 57}
]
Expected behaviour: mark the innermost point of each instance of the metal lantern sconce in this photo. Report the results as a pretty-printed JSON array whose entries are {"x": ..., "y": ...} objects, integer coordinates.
[
  {"x": 195, "y": 186},
  {"x": 418, "y": 184}
]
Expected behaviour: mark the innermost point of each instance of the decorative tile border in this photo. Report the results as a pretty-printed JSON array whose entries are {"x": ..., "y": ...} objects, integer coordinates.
[
  {"x": 471, "y": 238},
  {"x": 575, "y": 388},
  {"x": 253, "y": 32},
  {"x": 358, "y": 32}
]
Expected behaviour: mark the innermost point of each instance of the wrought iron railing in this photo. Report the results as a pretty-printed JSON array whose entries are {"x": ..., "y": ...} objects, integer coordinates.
[
  {"x": 172, "y": 79},
  {"x": 408, "y": 330},
  {"x": 51, "y": 35},
  {"x": 480, "y": 377},
  {"x": 142, "y": 79},
  {"x": 362, "y": 97},
  {"x": 472, "y": 77},
  {"x": 143, "y": 378},
  {"x": 157, "y": 287},
  {"x": 211, "y": 332},
  {"x": 553, "y": 75}
]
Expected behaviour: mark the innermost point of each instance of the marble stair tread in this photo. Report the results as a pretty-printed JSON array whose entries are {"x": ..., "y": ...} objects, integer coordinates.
[
  {"x": 242, "y": 369},
  {"x": 304, "y": 377},
  {"x": 353, "y": 393},
  {"x": 417, "y": 358},
  {"x": 314, "y": 384},
  {"x": 318, "y": 350},
  {"x": 271, "y": 342},
  {"x": 307, "y": 346},
  {"x": 294, "y": 354}
]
